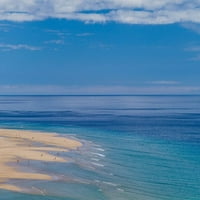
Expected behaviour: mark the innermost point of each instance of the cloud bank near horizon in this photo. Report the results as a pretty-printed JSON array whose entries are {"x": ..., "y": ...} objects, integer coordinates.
[
  {"x": 101, "y": 11},
  {"x": 97, "y": 90}
]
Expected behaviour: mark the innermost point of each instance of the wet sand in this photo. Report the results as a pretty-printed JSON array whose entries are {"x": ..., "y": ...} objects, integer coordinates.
[{"x": 19, "y": 145}]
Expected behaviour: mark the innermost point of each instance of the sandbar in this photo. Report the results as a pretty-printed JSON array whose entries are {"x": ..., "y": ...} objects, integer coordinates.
[{"x": 20, "y": 145}]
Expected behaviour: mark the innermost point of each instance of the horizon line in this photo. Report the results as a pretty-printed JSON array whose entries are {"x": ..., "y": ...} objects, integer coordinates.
[{"x": 99, "y": 94}]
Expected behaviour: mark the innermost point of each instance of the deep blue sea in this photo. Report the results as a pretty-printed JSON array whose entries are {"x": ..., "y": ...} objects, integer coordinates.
[{"x": 135, "y": 147}]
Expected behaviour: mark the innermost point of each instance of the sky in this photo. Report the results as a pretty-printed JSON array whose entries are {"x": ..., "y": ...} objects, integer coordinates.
[{"x": 99, "y": 47}]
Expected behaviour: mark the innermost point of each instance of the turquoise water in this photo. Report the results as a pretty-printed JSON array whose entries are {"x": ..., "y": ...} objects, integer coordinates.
[{"x": 135, "y": 147}]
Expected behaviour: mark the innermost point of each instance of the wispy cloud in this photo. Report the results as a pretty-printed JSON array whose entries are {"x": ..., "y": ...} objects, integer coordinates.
[
  {"x": 122, "y": 11},
  {"x": 195, "y": 49},
  {"x": 101, "y": 45},
  {"x": 58, "y": 42},
  {"x": 4, "y": 27},
  {"x": 192, "y": 26},
  {"x": 60, "y": 34},
  {"x": 195, "y": 58},
  {"x": 84, "y": 34},
  {"x": 164, "y": 82},
  {"x": 9, "y": 47}
]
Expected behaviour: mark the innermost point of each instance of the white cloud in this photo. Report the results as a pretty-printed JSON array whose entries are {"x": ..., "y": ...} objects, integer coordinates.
[
  {"x": 122, "y": 11},
  {"x": 9, "y": 47}
]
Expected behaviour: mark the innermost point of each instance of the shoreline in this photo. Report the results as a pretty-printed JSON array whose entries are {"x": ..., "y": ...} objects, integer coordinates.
[{"x": 20, "y": 145}]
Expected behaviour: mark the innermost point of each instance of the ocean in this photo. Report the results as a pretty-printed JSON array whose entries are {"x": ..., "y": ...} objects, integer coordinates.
[{"x": 134, "y": 147}]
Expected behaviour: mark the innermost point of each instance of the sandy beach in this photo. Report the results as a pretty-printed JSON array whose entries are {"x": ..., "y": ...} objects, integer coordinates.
[{"x": 19, "y": 145}]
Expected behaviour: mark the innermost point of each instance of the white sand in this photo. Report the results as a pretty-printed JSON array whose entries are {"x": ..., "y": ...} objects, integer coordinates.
[{"x": 18, "y": 145}]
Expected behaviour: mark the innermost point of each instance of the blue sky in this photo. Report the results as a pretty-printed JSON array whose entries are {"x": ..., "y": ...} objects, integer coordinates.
[{"x": 99, "y": 49}]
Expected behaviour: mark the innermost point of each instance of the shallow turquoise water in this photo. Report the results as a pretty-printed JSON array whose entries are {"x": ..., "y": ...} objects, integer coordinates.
[{"x": 135, "y": 147}]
